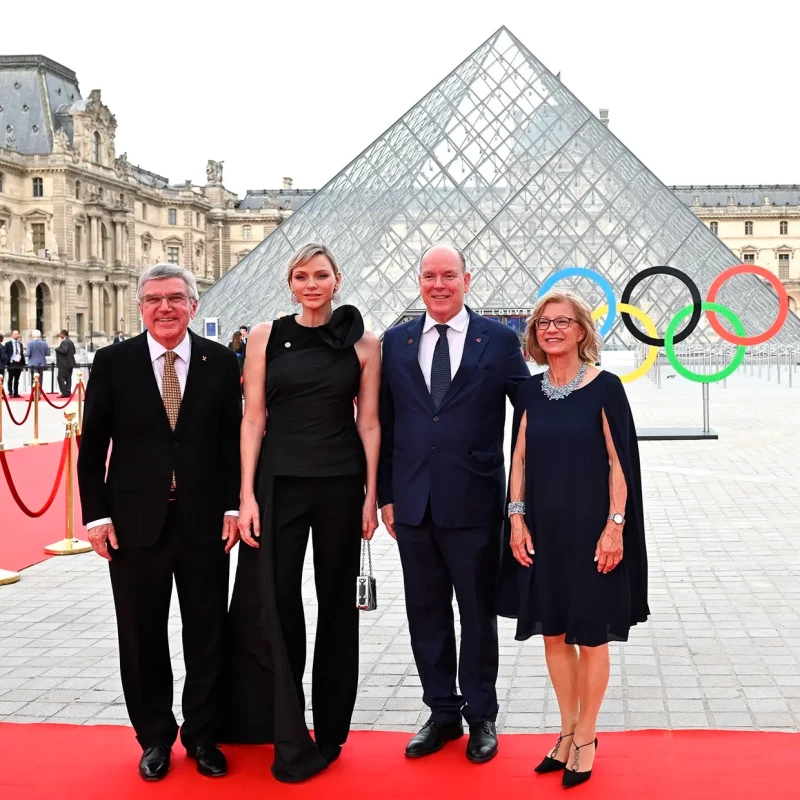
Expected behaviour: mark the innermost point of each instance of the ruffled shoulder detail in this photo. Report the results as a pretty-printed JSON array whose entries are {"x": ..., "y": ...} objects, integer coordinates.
[{"x": 344, "y": 329}]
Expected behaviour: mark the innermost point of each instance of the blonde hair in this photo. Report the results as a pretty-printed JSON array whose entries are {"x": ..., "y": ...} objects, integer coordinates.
[
  {"x": 306, "y": 253},
  {"x": 588, "y": 347}
]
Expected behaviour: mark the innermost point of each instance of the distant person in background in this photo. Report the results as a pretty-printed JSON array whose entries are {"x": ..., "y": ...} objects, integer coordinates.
[
  {"x": 65, "y": 362},
  {"x": 237, "y": 345},
  {"x": 16, "y": 363},
  {"x": 243, "y": 331},
  {"x": 120, "y": 337},
  {"x": 37, "y": 355},
  {"x": 3, "y": 360}
]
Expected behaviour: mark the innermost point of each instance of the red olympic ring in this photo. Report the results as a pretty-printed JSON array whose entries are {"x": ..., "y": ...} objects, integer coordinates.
[{"x": 783, "y": 304}]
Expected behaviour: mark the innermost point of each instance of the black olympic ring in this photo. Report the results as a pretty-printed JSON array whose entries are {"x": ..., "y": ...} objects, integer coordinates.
[{"x": 697, "y": 302}]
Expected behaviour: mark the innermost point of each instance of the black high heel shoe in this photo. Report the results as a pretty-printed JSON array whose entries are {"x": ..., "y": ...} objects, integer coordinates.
[
  {"x": 572, "y": 777},
  {"x": 551, "y": 763}
]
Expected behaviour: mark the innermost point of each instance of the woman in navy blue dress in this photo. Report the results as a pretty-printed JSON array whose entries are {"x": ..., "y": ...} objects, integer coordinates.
[{"x": 578, "y": 576}]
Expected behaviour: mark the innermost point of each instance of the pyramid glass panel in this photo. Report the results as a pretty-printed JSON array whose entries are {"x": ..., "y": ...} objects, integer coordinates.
[{"x": 502, "y": 160}]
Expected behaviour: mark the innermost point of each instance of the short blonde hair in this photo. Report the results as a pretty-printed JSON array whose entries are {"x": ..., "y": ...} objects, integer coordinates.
[
  {"x": 588, "y": 347},
  {"x": 306, "y": 253}
]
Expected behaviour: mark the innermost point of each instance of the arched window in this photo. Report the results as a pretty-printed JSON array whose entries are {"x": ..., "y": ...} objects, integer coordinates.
[
  {"x": 172, "y": 216},
  {"x": 784, "y": 227},
  {"x": 748, "y": 228},
  {"x": 247, "y": 232},
  {"x": 77, "y": 190},
  {"x": 714, "y": 228},
  {"x": 96, "y": 148}
]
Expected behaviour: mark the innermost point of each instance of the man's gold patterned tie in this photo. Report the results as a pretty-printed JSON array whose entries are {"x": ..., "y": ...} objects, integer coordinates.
[{"x": 171, "y": 392}]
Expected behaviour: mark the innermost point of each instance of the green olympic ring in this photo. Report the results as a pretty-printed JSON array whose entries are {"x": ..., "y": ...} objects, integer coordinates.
[{"x": 669, "y": 347}]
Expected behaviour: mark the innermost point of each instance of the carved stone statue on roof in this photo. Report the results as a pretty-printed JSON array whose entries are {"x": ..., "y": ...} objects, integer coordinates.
[{"x": 214, "y": 171}]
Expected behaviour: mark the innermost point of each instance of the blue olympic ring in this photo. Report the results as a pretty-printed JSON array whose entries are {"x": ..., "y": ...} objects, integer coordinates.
[{"x": 602, "y": 282}]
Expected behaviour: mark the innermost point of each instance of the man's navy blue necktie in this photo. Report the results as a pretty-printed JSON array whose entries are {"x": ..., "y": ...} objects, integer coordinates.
[{"x": 440, "y": 367}]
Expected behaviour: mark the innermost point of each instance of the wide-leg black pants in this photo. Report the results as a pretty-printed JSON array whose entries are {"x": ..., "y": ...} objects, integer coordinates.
[
  {"x": 331, "y": 508},
  {"x": 141, "y": 579}
]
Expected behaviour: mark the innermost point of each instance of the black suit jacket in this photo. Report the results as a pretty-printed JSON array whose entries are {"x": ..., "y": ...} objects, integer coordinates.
[
  {"x": 65, "y": 354},
  {"x": 3, "y": 357},
  {"x": 124, "y": 408},
  {"x": 10, "y": 352}
]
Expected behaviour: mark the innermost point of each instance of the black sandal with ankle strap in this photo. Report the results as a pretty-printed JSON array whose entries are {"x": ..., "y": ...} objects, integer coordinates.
[
  {"x": 551, "y": 763},
  {"x": 572, "y": 777}
]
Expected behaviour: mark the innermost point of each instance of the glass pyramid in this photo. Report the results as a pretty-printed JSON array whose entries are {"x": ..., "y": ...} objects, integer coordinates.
[{"x": 503, "y": 161}]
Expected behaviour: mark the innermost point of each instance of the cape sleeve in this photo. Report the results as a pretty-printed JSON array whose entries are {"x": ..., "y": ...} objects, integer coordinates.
[
  {"x": 508, "y": 582},
  {"x": 623, "y": 432}
]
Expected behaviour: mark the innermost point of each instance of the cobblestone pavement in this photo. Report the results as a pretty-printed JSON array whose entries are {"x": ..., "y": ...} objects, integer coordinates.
[{"x": 722, "y": 648}]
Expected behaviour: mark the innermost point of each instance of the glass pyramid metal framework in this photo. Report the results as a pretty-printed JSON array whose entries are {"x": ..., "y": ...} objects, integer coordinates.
[{"x": 503, "y": 161}]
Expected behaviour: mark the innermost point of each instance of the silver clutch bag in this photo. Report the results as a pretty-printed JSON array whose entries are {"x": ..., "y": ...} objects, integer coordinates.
[{"x": 366, "y": 588}]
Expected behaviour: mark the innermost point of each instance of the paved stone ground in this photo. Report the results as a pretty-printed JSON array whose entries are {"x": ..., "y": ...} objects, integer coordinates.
[{"x": 722, "y": 648}]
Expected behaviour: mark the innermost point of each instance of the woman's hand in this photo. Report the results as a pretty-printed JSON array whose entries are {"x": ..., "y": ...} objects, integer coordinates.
[
  {"x": 521, "y": 544},
  {"x": 609, "y": 549},
  {"x": 369, "y": 518},
  {"x": 249, "y": 515}
]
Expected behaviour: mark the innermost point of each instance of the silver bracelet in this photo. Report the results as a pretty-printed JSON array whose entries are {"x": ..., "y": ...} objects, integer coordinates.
[{"x": 516, "y": 507}]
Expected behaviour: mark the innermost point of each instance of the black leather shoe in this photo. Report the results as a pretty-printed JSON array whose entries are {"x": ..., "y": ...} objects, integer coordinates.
[
  {"x": 432, "y": 737},
  {"x": 482, "y": 745},
  {"x": 210, "y": 759},
  {"x": 154, "y": 764},
  {"x": 330, "y": 752}
]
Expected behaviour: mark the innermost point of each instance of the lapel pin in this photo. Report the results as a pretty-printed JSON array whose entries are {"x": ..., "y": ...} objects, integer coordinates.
[
  {"x": 411, "y": 341},
  {"x": 478, "y": 339},
  {"x": 204, "y": 358}
]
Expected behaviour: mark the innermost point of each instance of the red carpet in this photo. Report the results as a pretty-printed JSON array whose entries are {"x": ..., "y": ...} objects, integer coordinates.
[
  {"x": 22, "y": 538},
  {"x": 47, "y": 761}
]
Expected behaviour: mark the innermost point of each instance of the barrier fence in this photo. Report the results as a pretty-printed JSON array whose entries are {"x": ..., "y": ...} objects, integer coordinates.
[{"x": 69, "y": 545}]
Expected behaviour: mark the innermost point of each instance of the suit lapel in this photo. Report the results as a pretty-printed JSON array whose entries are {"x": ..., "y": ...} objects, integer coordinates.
[
  {"x": 474, "y": 346},
  {"x": 144, "y": 366},
  {"x": 411, "y": 345}
]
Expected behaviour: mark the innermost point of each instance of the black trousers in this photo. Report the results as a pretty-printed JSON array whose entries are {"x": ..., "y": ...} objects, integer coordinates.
[
  {"x": 331, "y": 508},
  {"x": 65, "y": 380},
  {"x": 141, "y": 579},
  {"x": 435, "y": 561},
  {"x": 13, "y": 380}
]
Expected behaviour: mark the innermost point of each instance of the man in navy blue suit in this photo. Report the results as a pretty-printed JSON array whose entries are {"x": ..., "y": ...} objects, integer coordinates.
[{"x": 441, "y": 488}]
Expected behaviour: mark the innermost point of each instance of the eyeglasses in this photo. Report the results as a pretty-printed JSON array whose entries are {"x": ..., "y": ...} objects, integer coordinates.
[
  {"x": 155, "y": 300},
  {"x": 561, "y": 323}
]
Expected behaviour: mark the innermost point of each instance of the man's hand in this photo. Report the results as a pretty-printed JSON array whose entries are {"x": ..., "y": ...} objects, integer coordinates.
[
  {"x": 102, "y": 536},
  {"x": 230, "y": 531},
  {"x": 387, "y": 515},
  {"x": 249, "y": 515}
]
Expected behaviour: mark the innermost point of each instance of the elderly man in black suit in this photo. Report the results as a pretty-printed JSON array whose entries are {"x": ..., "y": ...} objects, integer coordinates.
[
  {"x": 15, "y": 351},
  {"x": 65, "y": 362},
  {"x": 168, "y": 402}
]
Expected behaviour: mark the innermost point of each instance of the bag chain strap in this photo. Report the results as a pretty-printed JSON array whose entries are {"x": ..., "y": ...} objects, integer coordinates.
[{"x": 369, "y": 556}]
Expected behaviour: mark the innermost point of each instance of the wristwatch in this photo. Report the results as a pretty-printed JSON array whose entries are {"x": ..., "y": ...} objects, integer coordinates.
[{"x": 618, "y": 518}]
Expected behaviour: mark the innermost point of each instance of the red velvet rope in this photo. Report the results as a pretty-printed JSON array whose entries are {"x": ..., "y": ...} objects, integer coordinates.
[
  {"x": 15, "y": 494},
  {"x": 11, "y": 414},
  {"x": 60, "y": 408}
]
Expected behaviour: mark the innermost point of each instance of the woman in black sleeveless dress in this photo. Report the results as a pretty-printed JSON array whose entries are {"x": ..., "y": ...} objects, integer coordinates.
[{"x": 308, "y": 462}]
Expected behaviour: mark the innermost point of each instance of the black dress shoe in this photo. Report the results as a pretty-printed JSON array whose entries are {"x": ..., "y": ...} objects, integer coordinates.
[
  {"x": 210, "y": 759},
  {"x": 482, "y": 745},
  {"x": 432, "y": 737},
  {"x": 155, "y": 763},
  {"x": 572, "y": 778}
]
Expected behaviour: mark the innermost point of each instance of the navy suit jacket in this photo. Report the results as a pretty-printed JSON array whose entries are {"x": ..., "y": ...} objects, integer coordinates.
[{"x": 453, "y": 456}]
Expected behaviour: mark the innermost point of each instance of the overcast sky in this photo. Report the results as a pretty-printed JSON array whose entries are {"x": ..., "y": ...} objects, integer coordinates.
[{"x": 702, "y": 92}]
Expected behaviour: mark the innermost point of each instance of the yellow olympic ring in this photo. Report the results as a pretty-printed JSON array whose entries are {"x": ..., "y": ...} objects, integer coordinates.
[{"x": 652, "y": 351}]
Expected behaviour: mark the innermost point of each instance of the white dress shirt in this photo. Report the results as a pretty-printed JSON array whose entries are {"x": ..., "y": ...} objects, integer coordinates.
[
  {"x": 456, "y": 336},
  {"x": 183, "y": 352}
]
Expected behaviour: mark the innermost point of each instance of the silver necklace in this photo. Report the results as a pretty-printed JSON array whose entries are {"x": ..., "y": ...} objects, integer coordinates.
[{"x": 560, "y": 392}]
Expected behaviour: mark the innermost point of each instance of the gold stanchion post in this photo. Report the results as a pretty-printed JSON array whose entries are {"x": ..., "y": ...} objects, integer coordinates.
[
  {"x": 36, "y": 389},
  {"x": 80, "y": 402},
  {"x": 69, "y": 545},
  {"x": 6, "y": 576}
]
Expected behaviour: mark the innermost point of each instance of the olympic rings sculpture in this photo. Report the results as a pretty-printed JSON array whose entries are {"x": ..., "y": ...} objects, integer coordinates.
[{"x": 693, "y": 311}]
